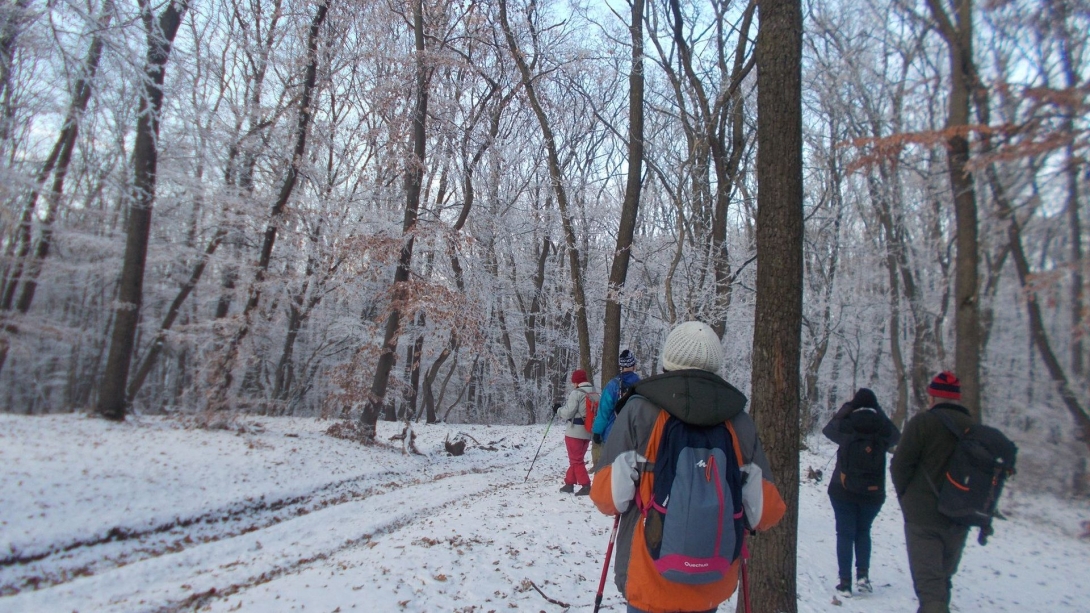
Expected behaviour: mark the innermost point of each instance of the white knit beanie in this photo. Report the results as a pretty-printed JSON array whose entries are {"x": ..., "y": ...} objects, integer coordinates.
[{"x": 692, "y": 345}]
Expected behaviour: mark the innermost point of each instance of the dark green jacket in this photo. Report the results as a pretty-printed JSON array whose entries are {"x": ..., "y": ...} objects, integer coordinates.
[{"x": 920, "y": 461}]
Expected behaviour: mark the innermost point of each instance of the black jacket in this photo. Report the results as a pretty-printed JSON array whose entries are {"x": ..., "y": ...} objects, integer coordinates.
[
  {"x": 918, "y": 466},
  {"x": 840, "y": 430}
]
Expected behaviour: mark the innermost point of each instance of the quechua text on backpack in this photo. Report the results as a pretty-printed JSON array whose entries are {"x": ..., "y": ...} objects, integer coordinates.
[
  {"x": 693, "y": 524},
  {"x": 973, "y": 480},
  {"x": 863, "y": 456}
]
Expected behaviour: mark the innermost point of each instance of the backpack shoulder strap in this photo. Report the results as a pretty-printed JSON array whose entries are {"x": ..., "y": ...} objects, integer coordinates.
[
  {"x": 949, "y": 423},
  {"x": 734, "y": 441}
]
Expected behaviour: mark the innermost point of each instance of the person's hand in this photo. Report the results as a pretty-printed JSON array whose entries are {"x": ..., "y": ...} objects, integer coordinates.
[
  {"x": 556, "y": 407},
  {"x": 596, "y": 439}
]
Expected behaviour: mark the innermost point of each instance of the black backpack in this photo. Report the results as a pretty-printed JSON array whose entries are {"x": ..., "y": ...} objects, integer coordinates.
[
  {"x": 863, "y": 456},
  {"x": 973, "y": 480}
]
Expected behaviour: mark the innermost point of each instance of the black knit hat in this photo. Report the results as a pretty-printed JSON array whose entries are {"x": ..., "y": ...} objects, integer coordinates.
[
  {"x": 865, "y": 398},
  {"x": 626, "y": 359}
]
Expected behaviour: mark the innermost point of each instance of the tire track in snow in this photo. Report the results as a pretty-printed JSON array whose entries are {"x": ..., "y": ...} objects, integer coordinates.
[
  {"x": 181, "y": 580},
  {"x": 122, "y": 545}
]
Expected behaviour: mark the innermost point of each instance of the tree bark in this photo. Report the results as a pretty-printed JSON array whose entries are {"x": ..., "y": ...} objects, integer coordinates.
[
  {"x": 414, "y": 175},
  {"x": 160, "y": 34},
  {"x": 622, "y": 254},
  {"x": 778, "y": 316},
  {"x": 959, "y": 36}
]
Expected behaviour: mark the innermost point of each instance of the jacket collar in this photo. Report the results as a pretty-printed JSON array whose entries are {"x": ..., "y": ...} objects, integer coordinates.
[
  {"x": 696, "y": 397},
  {"x": 951, "y": 406}
]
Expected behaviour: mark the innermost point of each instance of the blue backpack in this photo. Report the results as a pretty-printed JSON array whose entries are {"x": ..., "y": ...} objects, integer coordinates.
[{"x": 694, "y": 524}]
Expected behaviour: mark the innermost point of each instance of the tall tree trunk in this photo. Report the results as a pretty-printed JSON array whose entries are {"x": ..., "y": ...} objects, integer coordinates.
[
  {"x": 56, "y": 164},
  {"x": 777, "y": 326},
  {"x": 1038, "y": 333},
  {"x": 219, "y": 399},
  {"x": 130, "y": 295},
  {"x": 1059, "y": 10},
  {"x": 959, "y": 36},
  {"x": 622, "y": 254},
  {"x": 556, "y": 175},
  {"x": 14, "y": 18},
  {"x": 414, "y": 175}
]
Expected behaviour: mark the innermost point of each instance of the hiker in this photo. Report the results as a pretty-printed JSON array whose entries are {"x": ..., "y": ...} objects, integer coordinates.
[
  {"x": 857, "y": 489},
  {"x": 665, "y": 563},
  {"x": 934, "y": 541},
  {"x": 611, "y": 393},
  {"x": 577, "y": 436}
]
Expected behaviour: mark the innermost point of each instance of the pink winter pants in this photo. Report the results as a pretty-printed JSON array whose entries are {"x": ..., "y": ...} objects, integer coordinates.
[{"x": 577, "y": 469}]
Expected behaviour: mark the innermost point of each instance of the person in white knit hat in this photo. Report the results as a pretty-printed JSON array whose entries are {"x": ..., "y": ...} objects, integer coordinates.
[{"x": 626, "y": 481}]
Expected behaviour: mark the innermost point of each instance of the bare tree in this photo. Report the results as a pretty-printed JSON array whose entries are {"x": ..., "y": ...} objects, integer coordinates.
[
  {"x": 958, "y": 34},
  {"x": 557, "y": 176},
  {"x": 160, "y": 35},
  {"x": 622, "y": 254},
  {"x": 414, "y": 174}
]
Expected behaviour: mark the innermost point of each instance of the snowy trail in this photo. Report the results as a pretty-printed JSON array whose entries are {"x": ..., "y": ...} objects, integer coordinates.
[
  {"x": 293, "y": 520},
  {"x": 229, "y": 564}
]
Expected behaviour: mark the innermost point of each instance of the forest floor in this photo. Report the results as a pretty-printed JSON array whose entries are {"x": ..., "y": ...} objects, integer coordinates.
[{"x": 275, "y": 515}]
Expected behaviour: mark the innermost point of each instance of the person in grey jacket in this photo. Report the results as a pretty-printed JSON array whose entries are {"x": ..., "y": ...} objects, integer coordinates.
[
  {"x": 576, "y": 436},
  {"x": 691, "y": 390}
]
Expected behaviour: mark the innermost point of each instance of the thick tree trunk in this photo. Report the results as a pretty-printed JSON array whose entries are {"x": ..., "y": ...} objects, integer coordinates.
[
  {"x": 112, "y": 393},
  {"x": 414, "y": 175},
  {"x": 959, "y": 35},
  {"x": 622, "y": 254},
  {"x": 778, "y": 318}
]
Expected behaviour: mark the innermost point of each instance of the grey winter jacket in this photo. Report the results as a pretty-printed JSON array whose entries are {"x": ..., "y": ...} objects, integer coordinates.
[
  {"x": 694, "y": 396},
  {"x": 576, "y": 409}
]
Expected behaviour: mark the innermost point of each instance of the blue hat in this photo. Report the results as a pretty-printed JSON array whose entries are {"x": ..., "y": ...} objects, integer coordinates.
[{"x": 626, "y": 359}]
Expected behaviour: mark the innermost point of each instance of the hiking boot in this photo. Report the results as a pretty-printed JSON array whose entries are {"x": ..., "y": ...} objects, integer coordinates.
[
  {"x": 863, "y": 585},
  {"x": 583, "y": 491},
  {"x": 568, "y": 488},
  {"x": 844, "y": 588}
]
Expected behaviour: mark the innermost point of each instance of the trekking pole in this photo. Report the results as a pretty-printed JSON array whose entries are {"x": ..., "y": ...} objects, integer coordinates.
[
  {"x": 553, "y": 418},
  {"x": 605, "y": 567},
  {"x": 745, "y": 576}
]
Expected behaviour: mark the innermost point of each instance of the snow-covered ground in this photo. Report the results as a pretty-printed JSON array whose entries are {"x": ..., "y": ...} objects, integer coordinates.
[{"x": 150, "y": 516}]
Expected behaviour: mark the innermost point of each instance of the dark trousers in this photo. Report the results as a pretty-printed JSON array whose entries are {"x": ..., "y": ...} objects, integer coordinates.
[
  {"x": 853, "y": 522},
  {"x": 933, "y": 557}
]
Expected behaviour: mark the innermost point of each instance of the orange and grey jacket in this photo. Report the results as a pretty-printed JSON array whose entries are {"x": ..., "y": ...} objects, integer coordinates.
[{"x": 699, "y": 398}]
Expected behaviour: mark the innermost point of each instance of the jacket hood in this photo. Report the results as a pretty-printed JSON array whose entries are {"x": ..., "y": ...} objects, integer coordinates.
[
  {"x": 696, "y": 397},
  {"x": 952, "y": 407}
]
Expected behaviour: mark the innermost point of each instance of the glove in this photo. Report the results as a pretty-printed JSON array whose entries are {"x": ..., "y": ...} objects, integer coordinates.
[
  {"x": 624, "y": 477},
  {"x": 596, "y": 439},
  {"x": 753, "y": 494},
  {"x": 556, "y": 407}
]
